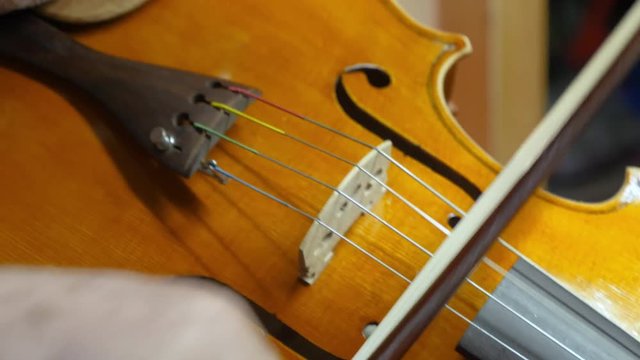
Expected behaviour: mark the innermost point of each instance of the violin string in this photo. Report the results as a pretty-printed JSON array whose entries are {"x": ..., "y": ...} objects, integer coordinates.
[
  {"x": 344, "y": 135},
  {"x": 234, "y": 111},
  {"x": 419, "y": 211},
  {"x": 404, "y": 169},
  {"x": 379, "y": 219},
  {"x": 317, "y": 181},
  {"x": 333, "y": 155},
  {"x": 212, "y": 166},
  {"x": 524, "y": 319},
  {"x": 351, "y": 138},
  {"x": 415, "y": 208},
  {"x": 271, "y": 127},
  {"x": 392, "y": 160},
  {"x": 493, "y": 337}
]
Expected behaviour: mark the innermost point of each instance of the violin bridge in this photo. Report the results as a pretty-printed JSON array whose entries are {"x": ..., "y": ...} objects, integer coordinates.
[{"x": 363, "y": 184}]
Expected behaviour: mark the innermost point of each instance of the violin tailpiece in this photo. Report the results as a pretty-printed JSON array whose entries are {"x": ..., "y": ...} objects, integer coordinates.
[{"x": 155, "y": 104}]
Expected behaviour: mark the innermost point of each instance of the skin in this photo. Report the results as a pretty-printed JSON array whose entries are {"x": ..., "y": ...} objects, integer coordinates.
[{"x": 50, "y": 313}]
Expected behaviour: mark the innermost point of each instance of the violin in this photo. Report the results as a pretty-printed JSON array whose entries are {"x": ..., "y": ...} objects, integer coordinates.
[{"x": 315, "y": 170}]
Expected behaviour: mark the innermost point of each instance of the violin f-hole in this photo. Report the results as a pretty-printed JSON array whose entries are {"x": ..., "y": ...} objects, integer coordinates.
[{"x": 380, "y": 78}]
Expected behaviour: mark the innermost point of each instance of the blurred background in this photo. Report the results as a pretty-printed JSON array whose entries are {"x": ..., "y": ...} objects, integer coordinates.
[{"x": 525, "y": 54}]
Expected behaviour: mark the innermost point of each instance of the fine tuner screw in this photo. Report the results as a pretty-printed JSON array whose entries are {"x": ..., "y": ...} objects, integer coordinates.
[{"x": 162, "y": 139}]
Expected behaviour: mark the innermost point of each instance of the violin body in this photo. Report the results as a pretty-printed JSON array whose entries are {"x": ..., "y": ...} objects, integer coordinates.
[{"x": 77, "y": 192}]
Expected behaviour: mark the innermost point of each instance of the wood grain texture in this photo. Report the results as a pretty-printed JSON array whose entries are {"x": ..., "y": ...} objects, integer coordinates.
[{"x": 75, "y": 192}]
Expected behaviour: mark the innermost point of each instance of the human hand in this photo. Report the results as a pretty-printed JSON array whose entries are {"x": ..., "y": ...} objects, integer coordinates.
[{"x": 50, "y": 313}]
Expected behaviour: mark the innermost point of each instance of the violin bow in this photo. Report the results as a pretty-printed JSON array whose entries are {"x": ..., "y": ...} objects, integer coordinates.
[{"x": 469, "y": 241}]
